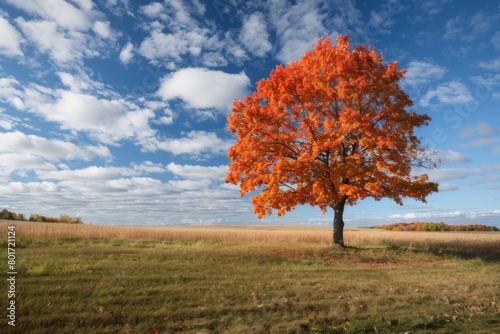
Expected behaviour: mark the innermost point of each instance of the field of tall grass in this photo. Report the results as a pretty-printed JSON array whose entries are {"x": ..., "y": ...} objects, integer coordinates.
[
  {"x": 463, "y": 242},
  {"x": 85, "y": 279}
]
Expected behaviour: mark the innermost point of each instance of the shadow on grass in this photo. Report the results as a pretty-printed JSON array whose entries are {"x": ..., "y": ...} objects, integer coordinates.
[{"x": 489, "y": 254}]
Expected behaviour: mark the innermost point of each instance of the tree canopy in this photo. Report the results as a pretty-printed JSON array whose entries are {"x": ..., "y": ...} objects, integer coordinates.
[{"x": 328, "y": 130}]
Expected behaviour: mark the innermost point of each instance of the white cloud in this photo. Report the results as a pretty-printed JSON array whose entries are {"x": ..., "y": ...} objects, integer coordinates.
[
  {"x": 450, "y": 156},
  {"x": 419, "y": 215},
  {"x": 103, "y": 29},
  {"x": 447, "y": 187},
  {"x": 99, "y": 173},
  {"x": 453, "y": 217},
  {"x": 153, "y": 10},
  {"x": 449, "y": 93},
  {"x": 10, "y": 162},
  {"x": 93, "y": 173},
  {"x": 439, "y": 174},
  {"x": 5, "y": 124},
  {"x": 490, "y": 82},
  {"x": 10, "y": 39},
  {"x": 487, "y": 179},
  {"x": 431, "y": 7},
  {"x": 165, "y": 120},
  {"x": 454, "y": 29},
  {"x": 380, "y": 23},
  {"x": 411, "y": 215},
  {"x": 80, "y": 82},
  {"x": 468, "y": 28},
  {"x": 61, "y": 12},
  {"x": 61, "y": 46},
  {"x": 8, "y": 122},
  {"x": 63, "y": 30},
  {"x": 232, "y": 48},
  {"x": 254, "y": 35},
  {"x": 184, "y": 12},
  {"x": 420, "y": 73},
  {"x": 146, "y": 200},
  {"x": 171, "y": 46},
  {"x": 198, "y": 172},
  {"x": 25, "y": 188},
  {"x": 482, "y": 22},
  {"x": 203, "y": 88},
  {"x": 491, "y": 65},
  {"x": 480, "y": 129},
  {"x": 10, "y": 92},
  {"x": 127, "y": 53},
  {"x": 298, "y": 27},
  {"x": 176, "y": 32},
  {"x": 108, "y": 120},
  {"x": 190, "y": 184},
  {"x": 148, "y": 167},
  {"x": 98, "y": 191},
  {"x": 195, "y": 143},
  {"x": 215, "y": 59},
  {"x": 482, "y": 142},
  {"x": 50, "y": 149}
]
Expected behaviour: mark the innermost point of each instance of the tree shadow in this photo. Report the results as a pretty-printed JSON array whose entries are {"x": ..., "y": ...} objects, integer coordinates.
[
  {"x": 484, "y": 255},
  {"x": 487, "y": 254}
]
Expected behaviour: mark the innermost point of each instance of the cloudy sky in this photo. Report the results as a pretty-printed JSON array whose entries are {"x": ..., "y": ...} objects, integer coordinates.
[{"x": 114, "y": 110}]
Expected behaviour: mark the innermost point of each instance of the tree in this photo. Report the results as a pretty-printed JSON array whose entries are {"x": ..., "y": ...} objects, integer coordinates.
[
  {"x": 327, "y": 131},
  {"x": 7, "y": 215},
  {"x": 65, "y": 219},
  {"x": 35, "y": 217}
]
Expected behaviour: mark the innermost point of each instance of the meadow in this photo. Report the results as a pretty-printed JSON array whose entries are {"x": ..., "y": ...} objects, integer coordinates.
[{"x": 251, "y": 279}]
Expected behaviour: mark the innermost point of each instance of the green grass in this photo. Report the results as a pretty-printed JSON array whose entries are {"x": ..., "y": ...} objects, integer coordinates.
[{"x": 108, "y": 286}]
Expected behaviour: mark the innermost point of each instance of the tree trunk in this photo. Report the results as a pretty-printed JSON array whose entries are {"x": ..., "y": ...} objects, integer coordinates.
[{"x": 338, "y": 223}]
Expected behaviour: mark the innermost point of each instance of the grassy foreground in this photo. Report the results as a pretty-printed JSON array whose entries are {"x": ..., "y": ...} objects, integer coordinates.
[{"x": 95, "y": 279}]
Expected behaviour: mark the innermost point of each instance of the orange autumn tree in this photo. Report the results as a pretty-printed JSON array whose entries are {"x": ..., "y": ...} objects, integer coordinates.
[{"x": 327, "y": 131}]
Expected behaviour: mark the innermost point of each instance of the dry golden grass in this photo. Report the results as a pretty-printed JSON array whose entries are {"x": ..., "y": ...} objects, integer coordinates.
[
  {"x": 263, "y": 279},
  {"x": 171, "y": 233},
  {"x": 472, "y": 242}
]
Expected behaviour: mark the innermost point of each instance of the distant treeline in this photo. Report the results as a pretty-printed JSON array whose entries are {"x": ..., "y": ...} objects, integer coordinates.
[
  {"x": 423, "y": 226},
  {"x": 35, "y": 217}
]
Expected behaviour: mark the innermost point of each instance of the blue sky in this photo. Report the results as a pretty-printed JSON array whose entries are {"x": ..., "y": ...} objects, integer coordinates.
[{"x": 114, "y": 111}]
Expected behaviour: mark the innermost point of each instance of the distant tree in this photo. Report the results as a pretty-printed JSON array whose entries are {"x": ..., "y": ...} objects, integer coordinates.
[
  {"x": 35, "y": 217},
  {"x": 65, "y": 219},
  {"x": 327, "y": 131},
  {"x": 7, "y": 215},
  {"x": 421, "y": 226}
]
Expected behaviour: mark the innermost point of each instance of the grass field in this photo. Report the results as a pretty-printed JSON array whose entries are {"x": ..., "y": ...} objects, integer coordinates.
[{"x": 251, "y": 279}]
